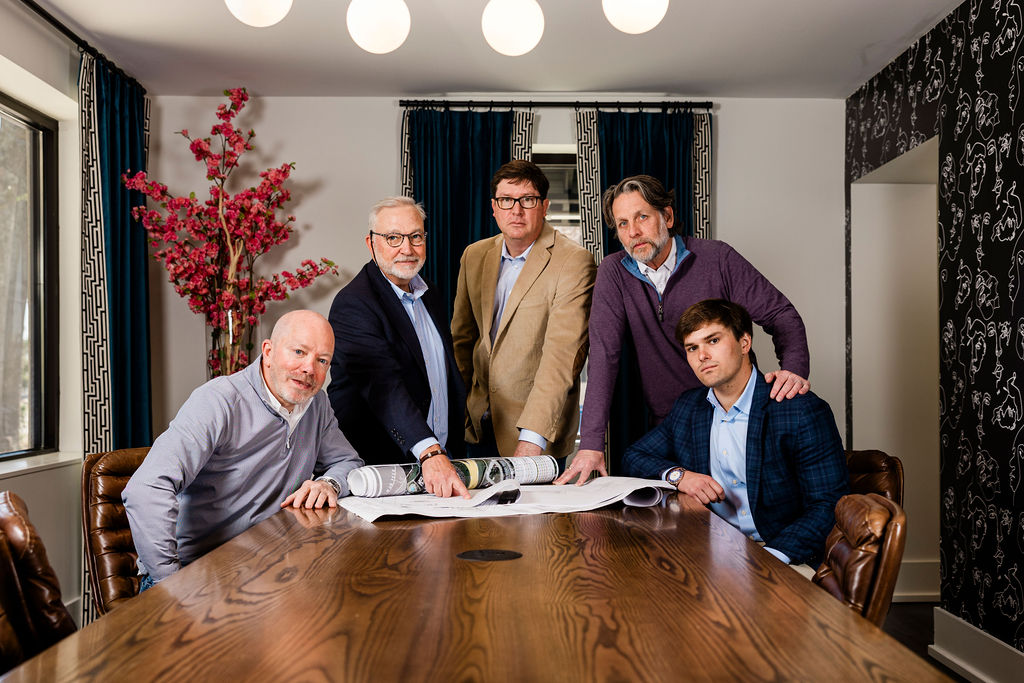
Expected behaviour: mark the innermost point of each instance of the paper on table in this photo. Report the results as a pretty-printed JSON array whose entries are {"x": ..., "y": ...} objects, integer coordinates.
[{"x": 532, "y": 500}]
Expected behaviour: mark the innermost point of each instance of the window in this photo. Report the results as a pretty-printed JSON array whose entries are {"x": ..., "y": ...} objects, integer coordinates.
[
  {"x": 28, "y": 286},
  {"x": 564, "y": 194}
]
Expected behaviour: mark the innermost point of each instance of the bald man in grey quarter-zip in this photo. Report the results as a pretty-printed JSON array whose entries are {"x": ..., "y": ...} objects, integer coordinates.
[{"x": 240, "y": 448}]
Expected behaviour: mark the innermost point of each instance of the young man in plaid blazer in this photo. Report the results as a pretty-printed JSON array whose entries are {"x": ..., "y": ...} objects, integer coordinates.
[{"x": 774, "y": 470}]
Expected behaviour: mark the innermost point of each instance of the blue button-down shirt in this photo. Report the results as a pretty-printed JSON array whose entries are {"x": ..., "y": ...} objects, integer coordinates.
[
  {"x": 433, "y": 358},
  {"x": 729, "y": 461},
  {"x": 511, "y": 267}
]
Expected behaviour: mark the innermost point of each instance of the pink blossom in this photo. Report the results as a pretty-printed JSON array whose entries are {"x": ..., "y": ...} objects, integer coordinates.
[{"x": 208, "y": 247}]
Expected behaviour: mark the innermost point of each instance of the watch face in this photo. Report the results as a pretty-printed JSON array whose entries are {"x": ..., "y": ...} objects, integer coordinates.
[{"x": 674, "y": 476}]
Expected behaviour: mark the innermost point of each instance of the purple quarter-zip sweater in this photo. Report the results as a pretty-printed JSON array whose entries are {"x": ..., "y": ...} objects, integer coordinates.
[{"x": 626, "y": 302}]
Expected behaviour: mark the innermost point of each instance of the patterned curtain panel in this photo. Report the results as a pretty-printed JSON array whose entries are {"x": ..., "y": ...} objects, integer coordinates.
[
  {"x": 675, "y": 147},
  {"x": 114, "y": 116},
  {"x": 448, "y": 158},
  {"x": 522, "y": 135},
  {"x": 588, "y": 175}
]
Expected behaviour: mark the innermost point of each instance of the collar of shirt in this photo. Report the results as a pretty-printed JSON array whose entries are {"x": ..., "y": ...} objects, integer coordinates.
[
  {"x": 659, "y": 276},
  {"x": 742, "y": 405},
  {"x": 416, "y": 284},
  {"x": 509, "y": 257},
  {"x": 293, "y": 417}
]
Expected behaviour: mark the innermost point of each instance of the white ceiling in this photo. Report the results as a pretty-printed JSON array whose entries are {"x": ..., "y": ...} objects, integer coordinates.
[{"x": 703, "y": 48}]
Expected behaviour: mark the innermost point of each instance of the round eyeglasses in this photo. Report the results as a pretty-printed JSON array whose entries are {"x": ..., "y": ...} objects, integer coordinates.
[
  {"x": 528, "y": 202},
  {"x": 395, "y": 239}
]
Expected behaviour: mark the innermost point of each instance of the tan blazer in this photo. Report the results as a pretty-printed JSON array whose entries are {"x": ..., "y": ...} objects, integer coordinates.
[{"x": 530, "y": 378}]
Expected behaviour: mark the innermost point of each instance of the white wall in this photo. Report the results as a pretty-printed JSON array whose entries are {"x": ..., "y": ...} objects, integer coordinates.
[
  {"x": 895, "y": 307},
  {"x": 778, "y": 188},
  {"x": 29, "y": 42}
]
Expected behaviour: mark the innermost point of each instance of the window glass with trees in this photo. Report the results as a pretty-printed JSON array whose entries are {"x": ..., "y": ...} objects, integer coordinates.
[{"x": 28, "y": 305}]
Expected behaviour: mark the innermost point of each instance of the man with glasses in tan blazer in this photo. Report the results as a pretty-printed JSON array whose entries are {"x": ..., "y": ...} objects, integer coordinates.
[{"x": 520, "y": 324}]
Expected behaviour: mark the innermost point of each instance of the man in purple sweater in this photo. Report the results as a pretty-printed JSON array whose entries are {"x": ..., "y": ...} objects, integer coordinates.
[{"x": 645, "y": 288}]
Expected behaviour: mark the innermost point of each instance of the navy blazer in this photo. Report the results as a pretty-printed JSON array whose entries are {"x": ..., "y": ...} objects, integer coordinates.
[
  {"x": 796, "y": 467},
  {"x": 379, "y": 388}
]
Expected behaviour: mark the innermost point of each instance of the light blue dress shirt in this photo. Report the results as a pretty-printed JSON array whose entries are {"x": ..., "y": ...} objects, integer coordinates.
[
  {"x": 433, "y": 357},
  {"x": 729, "y": 461},
  {"x": 511, "y": 267}
]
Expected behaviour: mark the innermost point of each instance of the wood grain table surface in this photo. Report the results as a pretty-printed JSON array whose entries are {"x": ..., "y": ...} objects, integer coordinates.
[{"x": 623, "y": 594}]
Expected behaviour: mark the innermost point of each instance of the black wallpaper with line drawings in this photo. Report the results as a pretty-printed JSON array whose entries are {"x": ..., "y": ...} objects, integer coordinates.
[{"x": 964, "y": 81}]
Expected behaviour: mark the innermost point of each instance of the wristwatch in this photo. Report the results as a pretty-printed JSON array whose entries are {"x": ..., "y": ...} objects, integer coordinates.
[
  {"x": 334, "y": 484},
  {"x": 675, "y": 475},
  {"x": 436, "y": 450}
]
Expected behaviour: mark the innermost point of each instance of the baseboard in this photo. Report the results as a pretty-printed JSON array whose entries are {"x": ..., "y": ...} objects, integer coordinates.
[
  {"x": 972, "y": 653},
  {"x": 918, "y": 581},
  {"x": 74, "y": 606}
]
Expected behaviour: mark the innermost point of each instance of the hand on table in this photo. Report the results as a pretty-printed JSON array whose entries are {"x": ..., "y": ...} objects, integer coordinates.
[
  {"x": 312, "y": 494},
  {"x": 440, "y": 478},
  {"x": 702, "y": 487},
  {"x": 786, "y": 384},
  {"x": 584, "y": 464}
]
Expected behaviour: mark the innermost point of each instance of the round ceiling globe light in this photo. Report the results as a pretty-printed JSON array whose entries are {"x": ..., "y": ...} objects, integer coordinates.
[
  {"x": 512, "y": 27},
  {"x": 378, "y": 26},
  {"x": 259, "y": 13},
  {"x": 634, "y": 16}
]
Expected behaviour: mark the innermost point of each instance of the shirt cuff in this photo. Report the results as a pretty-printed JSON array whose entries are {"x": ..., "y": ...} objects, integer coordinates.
[
  {"x": 533, "y": 437},
  {"x": 421, "y": 446},
  {"x": 782, "y": 556}
]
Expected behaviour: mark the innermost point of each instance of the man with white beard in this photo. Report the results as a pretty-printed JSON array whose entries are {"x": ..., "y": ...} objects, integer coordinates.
[
  {"x": 644, "y": 289},
  {"x": 394, "y": 384}
]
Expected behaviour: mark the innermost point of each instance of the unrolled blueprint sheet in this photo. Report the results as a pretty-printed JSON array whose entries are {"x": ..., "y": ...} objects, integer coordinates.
[{"x": 533, "y": 499}]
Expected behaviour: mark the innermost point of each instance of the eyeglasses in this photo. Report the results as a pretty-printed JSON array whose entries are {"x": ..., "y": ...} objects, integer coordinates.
[
  {"x": 395, "y": 239},
  {"x": 528, "y": 202}
]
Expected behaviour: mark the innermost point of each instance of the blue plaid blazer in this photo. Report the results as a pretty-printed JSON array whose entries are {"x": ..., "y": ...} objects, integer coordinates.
[{"x": 796, "y": 468}]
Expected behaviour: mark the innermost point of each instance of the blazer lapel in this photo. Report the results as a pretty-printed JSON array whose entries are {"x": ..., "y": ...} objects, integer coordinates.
[
  {"x": 394, "y": 311},
  {"x": 755, "y": 427},
  {"x": 703, "y": 416},
  {"x": 488, "y": 282},
  {"x": 535, "y": 264}
]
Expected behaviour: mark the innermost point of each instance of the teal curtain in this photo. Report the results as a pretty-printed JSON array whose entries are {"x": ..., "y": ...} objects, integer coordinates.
[
  {"x": 453, "y": 155},
  {"x": 122, "y": 129},
  {"x": 658, "y": 144}
]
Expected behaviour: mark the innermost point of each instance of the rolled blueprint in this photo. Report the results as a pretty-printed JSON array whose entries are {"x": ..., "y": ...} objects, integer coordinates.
[{"x": 374, "y": 481}]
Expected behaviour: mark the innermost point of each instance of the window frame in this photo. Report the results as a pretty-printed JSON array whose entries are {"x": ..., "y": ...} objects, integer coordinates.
[{"x": 45, "y": 314}]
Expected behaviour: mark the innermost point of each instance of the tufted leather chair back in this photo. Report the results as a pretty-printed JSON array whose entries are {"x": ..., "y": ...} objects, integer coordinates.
[
  {"x": 14, "y": 619},
  {"x": 876, "y": 472},
  {"x": 863, "y": 553},
  {"x": 109, "y": 551},
  {"x": 34, "y": 614}
]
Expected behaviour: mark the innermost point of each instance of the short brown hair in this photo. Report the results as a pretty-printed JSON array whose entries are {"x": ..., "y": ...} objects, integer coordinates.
[
  {"x": 726, "y": 313},
  {"x": 519, "y": 171},
  {"x": 649, "y": 187}
]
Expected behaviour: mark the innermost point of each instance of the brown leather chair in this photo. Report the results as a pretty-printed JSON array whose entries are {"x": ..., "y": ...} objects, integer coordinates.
[
  {"x": 34, "y": 616},
  {"x": 863, "y": 553},
  {"x": 14, "y": 619},
  {"x": 876, "y": 472},
  {"x": 109, "y": 551}
]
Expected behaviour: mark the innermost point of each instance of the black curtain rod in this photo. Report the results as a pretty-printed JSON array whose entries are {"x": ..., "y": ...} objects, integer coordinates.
[
  {"x": 502, "y": 104},
  {"x": 83, "y": 46}
]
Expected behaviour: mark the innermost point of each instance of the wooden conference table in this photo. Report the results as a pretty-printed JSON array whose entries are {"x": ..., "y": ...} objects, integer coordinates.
[{"x": 660, "y": 594}]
